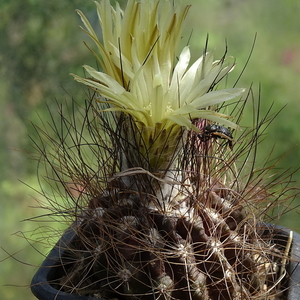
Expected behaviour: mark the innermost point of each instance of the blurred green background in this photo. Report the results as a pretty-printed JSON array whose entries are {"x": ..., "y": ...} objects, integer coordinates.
[{"x": 41, "y": 44}]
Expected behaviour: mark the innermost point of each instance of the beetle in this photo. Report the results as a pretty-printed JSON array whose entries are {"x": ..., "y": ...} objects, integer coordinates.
[{"x": 216, "y": 132}]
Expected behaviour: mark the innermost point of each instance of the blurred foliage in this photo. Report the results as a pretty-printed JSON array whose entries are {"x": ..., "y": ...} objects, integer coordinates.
[{"x": 41, "y": 44}]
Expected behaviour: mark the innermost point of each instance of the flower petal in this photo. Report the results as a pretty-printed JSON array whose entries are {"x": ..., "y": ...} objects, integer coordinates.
[{"x": 216, "y": 97}]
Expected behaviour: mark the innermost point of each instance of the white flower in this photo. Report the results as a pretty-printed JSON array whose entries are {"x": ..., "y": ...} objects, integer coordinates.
[{"x": 141, "y": 75}]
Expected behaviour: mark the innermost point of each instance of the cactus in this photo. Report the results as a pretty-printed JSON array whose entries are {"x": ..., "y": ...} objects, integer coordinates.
[
  {"x": 196, "y": 233},
  {"x": 164, "y": 209}
]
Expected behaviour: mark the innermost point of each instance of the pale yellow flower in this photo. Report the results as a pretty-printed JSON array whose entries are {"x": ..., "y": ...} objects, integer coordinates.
[{"x": 142, "y": 77}]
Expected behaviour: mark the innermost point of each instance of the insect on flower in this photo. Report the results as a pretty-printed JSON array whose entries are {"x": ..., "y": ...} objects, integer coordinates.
[{"x": 216, "y": 131}]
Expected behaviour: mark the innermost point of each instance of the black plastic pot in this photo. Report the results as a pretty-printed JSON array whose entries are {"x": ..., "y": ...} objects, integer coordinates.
[
  {"x": 44, "y": 288},
  {"x": 294, "y": 266},
  {"x": 49, "y": 271}
]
